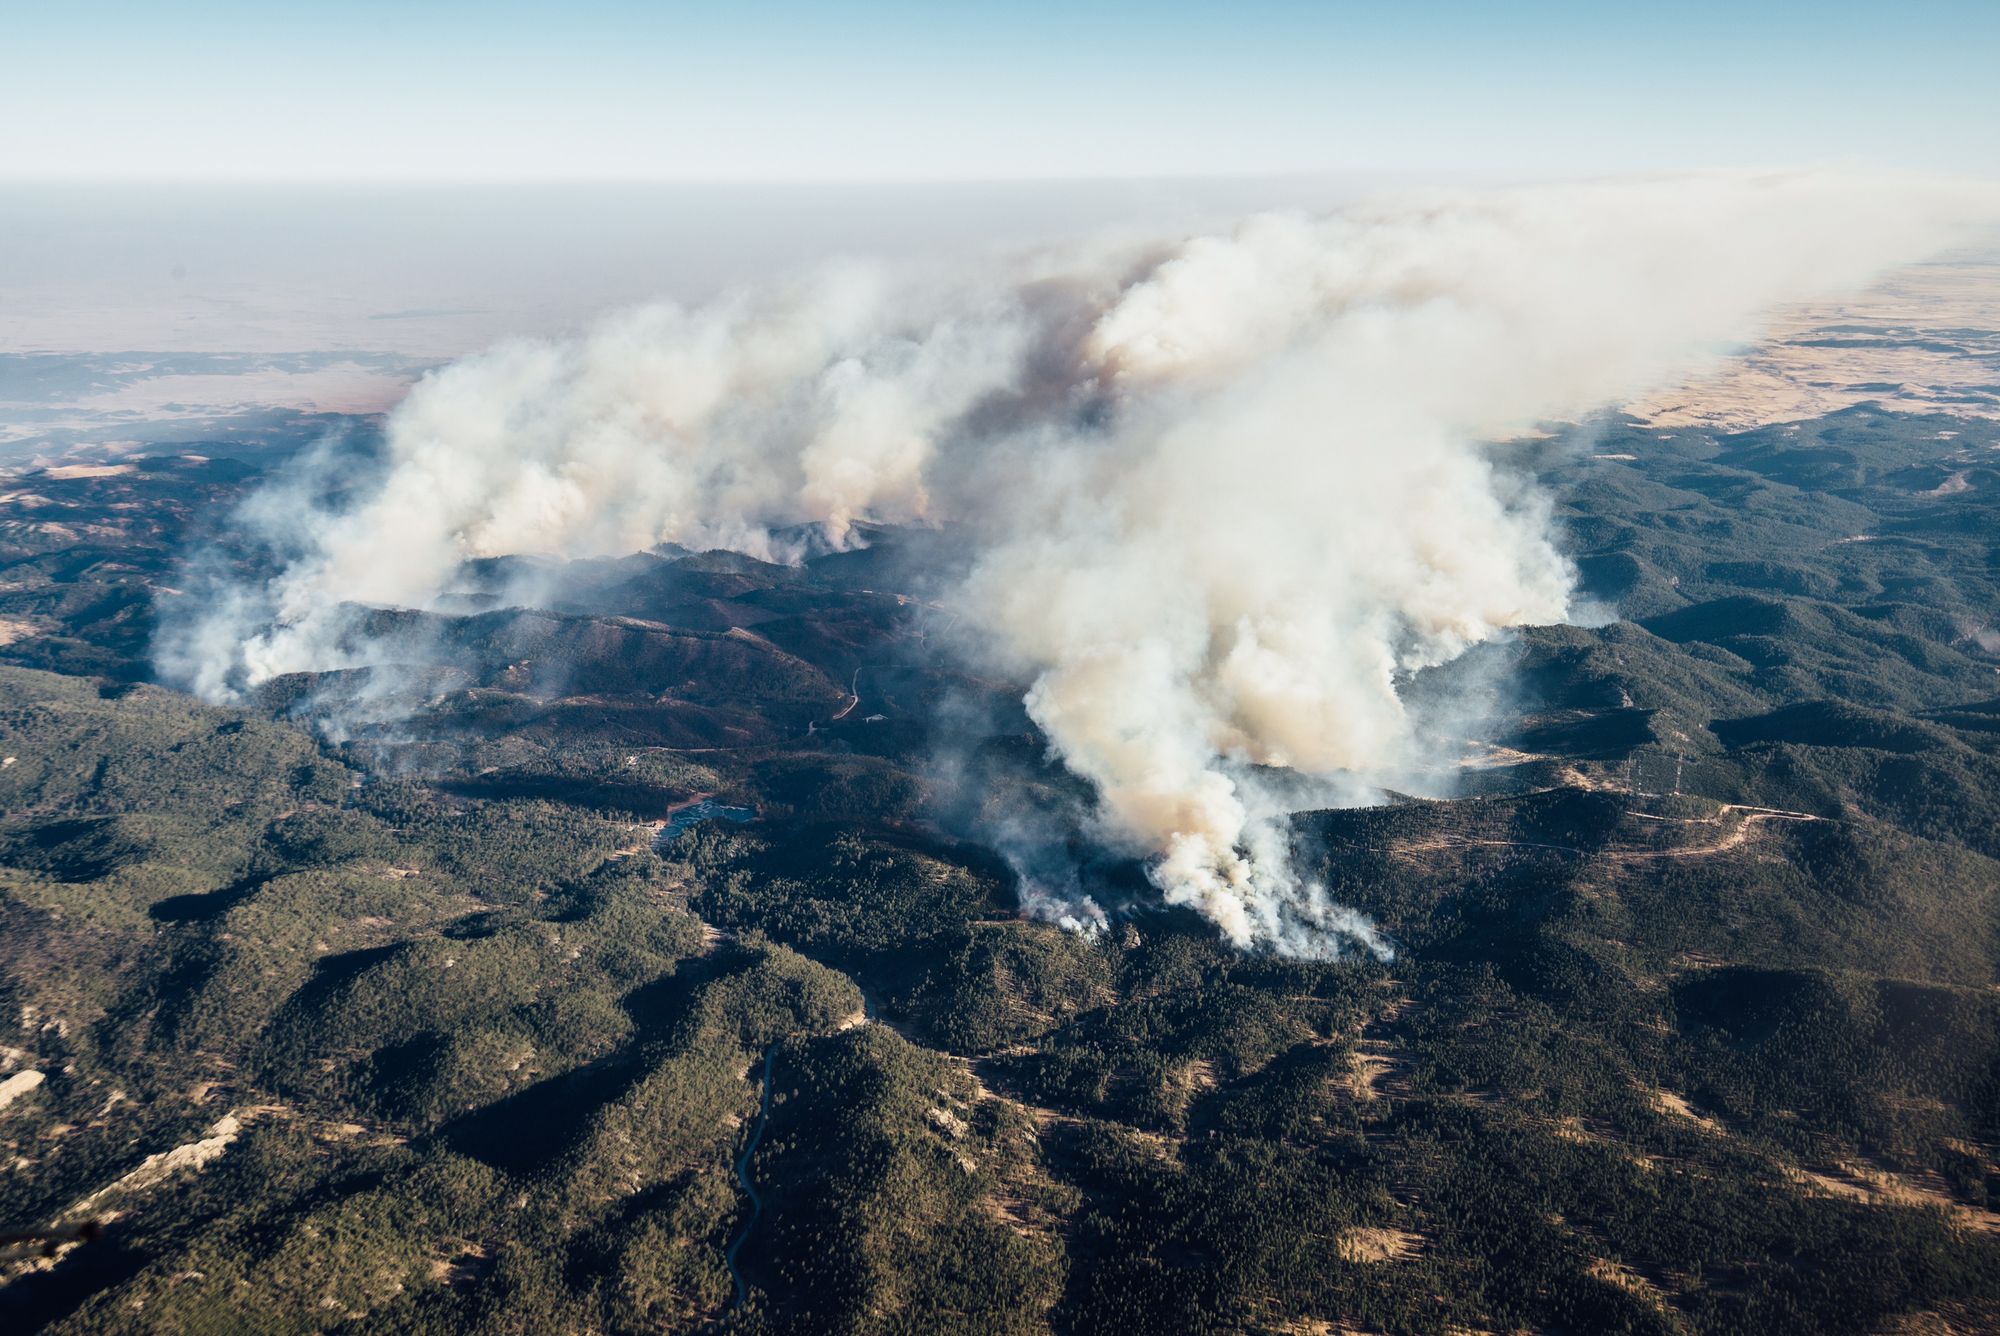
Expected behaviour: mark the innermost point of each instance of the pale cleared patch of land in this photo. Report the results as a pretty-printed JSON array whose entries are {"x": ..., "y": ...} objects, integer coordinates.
[
  {"x": 1879, "y": 1185},
  {"x": 1625, "y": 1278},
  {"x": 157, "y": 1168},
  {"x": 1377, "y": 1245},
  {"x": 14, "y": 629},
  {"x": 17, "y": 1085},
  {"x": 65, "y": 472},
  {"x": 1674, "y": 1106}
]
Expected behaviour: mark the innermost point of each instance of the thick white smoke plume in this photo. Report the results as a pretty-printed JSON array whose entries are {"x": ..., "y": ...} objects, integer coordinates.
[{"x": 1224, "y": 492}]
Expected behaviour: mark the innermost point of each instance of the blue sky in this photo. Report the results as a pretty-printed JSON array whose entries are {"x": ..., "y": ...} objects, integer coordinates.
[{"x": 766, "y": 90}]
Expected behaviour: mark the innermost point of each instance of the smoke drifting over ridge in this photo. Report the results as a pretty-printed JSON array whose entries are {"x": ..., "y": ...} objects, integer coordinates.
[{"x": 1223, "y": 494}]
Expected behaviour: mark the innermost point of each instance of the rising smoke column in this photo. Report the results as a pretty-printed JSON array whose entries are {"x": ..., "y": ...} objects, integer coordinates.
[{"x": 1224, "y": 493}]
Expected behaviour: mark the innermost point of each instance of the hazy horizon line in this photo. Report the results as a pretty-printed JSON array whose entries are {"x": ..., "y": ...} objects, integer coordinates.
[{"x": 1486, "y": 177}]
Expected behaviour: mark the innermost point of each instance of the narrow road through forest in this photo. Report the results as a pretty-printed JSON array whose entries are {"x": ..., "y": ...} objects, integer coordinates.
[{"x": 750, "y": 1188}]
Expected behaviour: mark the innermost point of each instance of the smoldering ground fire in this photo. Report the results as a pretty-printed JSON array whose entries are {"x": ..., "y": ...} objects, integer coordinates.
[{"x": 1222, "y": 494}]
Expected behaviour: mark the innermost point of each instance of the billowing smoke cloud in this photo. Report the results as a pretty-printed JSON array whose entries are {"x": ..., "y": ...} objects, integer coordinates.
[{"x": 1224, "y": 494}]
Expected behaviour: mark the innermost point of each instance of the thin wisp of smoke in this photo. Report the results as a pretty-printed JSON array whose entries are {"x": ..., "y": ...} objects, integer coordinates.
[{"x": 1223, "y": 494}]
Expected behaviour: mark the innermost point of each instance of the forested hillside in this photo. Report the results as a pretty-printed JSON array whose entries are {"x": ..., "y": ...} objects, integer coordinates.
[{"x": 445, "y": 1024}]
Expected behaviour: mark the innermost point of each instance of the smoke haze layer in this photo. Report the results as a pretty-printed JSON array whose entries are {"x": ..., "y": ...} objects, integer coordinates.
[{"x": 1224, "y": 494}]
